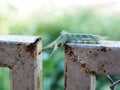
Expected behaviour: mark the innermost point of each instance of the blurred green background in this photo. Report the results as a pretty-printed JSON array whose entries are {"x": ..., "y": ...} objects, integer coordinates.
[{"x": 48, "y": 24}]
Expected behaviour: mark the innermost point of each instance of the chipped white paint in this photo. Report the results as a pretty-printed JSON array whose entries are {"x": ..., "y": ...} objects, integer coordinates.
[
  {"x": 21, "y": 54},
  {"x": 84, "y": 61}
]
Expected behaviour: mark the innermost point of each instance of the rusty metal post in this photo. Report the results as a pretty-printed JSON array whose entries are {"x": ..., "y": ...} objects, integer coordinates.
[
  {"x": 21, "y": 54},
  {"x": 84, "y": 61}
]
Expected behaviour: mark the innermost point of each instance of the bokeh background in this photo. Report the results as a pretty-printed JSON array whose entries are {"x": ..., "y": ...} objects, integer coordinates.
[{"x": 47, "y": 18}]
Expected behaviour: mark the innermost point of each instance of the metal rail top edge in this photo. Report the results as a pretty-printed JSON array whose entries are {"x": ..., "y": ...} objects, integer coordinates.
[
  {"x": 110, "y": 44},
  {"x": 18, "y": 39}
]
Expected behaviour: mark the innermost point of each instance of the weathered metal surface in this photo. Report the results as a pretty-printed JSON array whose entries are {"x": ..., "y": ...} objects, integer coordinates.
[
  {"x": 84, "y": 61},
  {"x": 21, "y": 55}
]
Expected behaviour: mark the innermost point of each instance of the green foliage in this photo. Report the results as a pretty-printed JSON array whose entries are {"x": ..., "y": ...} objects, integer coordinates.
[
  {"x": 85, "y": 21},
  {"x": 4, "y": 79}
]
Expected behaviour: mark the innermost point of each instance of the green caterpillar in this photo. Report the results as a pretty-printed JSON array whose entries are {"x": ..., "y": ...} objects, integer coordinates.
[{"x": 73, "y": 37}]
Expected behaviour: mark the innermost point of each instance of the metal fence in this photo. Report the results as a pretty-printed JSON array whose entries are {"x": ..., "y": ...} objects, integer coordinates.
[
  {"x": 84, "y": 61},
  {"x": 21, "y": 54}
]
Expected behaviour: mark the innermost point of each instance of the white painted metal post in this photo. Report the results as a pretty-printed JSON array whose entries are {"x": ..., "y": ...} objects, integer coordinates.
[
  {"x": 21, "y": 54},
  {"x": 84, "y": 61}
]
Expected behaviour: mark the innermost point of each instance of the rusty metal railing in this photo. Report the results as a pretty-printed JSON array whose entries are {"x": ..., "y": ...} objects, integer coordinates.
[
  {"x": 84, "y": 61},
  {"x": 21, "y": 54}
]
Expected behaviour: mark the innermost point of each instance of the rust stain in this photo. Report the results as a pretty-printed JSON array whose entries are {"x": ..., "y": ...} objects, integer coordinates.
[
  {"x": 98, "y": 49},
  {"x": 22, "y": 62},
  {"x": 11, "y": 66},
  {"x": 88, "y": 87},
  {"x": 17, "y": 58},
  {"x": 74, "y": 58},
  {"x": 88, "y": 71},
  {"x": 39, "y": 52},
  {"x": 81, "y": 51},
  {"x": 93, "y": 72},
  {"x": 90, "y": 51},
  {"x": 86, "y": 68},
  {"x": 103, "y": 49},
  {"x": 19, "y": 55},
  {"x": 6, "y": 65},
  {"x": 32, "y": 47},
  {"x": 66, "y": 68},
  {"x": 102, "y": 67},
  {"x": 39, "y": 81},
  {"x": 109, "y": 49},
  {"x": 104, "y": 71},
  {"x": 68, "y": 48},
  {"x": 14, "y": 72},
  {"x": 83, "y": 65},
  {"x": 70, "y": 52},
  {"x": 95, "y": 54},
  {"x": 2, "y": 49},
  {"x": 65, "y": 82}
]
